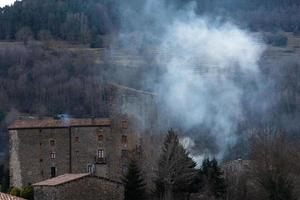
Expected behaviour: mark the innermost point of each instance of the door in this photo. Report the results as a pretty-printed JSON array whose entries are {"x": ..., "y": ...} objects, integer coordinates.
[{"x": 53, "y": 172}]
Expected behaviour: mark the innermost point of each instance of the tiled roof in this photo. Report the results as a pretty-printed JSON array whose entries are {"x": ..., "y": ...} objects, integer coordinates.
[
  {"x": 53, "y": 123},
  {"x": 61, "y": 179},
  {"x": 9, "y": 197}
]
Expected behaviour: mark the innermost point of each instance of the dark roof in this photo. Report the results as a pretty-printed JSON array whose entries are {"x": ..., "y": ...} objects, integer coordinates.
[
  {"x": 9, "y": 197},
  {"x": 66, "y": 178},
  {"x": 58, "y": 123}
]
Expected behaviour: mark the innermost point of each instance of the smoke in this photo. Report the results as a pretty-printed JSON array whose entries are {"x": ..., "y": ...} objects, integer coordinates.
[
  {"x": 198, "y": 86},
  {"x": 198, "y": 60}
]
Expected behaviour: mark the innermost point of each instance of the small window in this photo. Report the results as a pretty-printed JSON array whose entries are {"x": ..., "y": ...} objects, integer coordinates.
[
  {"x": 53, "y": 172},
  {"x": 90, "y": 168},
  {"x": 76, "y": 139},
  {"x": 124, "y": 169},
  {"x": 124, "y": 139},
  {"x": 124, "y": 153},
  {"x": 52, "y": 143},
  {"x": 124, "y": 124},
  {"x": 100, "y": 153},
  {"x": 53, "y": 155},
  {"x": 100, "y": 137}
]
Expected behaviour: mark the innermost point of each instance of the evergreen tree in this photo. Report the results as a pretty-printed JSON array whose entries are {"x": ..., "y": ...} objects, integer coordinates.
[
  {"x": 5, "y": 181},
  {"x": 134, "y": 183},
  {"x": 213, "y": 178},
  {"x": 176, "y": 170}
]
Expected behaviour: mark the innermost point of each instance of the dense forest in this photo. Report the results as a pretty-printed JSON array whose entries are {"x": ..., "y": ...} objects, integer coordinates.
[{"x": 85, "y": 21}]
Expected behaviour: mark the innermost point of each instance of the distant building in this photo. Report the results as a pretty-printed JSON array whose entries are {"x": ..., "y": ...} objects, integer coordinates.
[{"x": 63, "y": 148}]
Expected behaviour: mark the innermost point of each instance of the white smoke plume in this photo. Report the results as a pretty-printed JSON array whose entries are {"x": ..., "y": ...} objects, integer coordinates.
[{"x": 198, "y": 61}]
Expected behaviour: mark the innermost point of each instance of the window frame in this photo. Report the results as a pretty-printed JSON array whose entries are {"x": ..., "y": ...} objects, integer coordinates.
[
  {"x": 53, "y": 155},
  {"x": 52, "y": 142},
  {"x": 100, "y": 154}
]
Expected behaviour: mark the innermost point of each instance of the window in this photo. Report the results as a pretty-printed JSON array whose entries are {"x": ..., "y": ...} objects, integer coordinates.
[
  {"x": 90, "y": 168},
  {"x": 124, "y": 124},
  {"x": 100, "y": 153},
  {"x": 53, "y": 172},
  {"x": 124, "y": 153},
  {"x": 52, "y": 155},
  {"x": 76, "y": 139},
  {"x": 124, "y": 139},
  {"x": 100, "y": 137},
  {"x": 124, "y": 169},
  {"x": 52, "y": 143}
]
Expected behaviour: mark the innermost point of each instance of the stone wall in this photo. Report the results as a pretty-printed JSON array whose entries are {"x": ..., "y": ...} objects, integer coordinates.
[
  {"x": 31, "y": 150},
  {"x": 86, "y": 188},
  {"x": 30, "y": 155},
  {"x": 132, "y": 112}
]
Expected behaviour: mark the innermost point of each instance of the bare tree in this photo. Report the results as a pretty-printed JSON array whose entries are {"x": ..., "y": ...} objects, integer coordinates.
[{"x": 275, "y": 164}]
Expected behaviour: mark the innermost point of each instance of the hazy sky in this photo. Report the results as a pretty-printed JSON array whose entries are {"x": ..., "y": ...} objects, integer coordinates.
[{"x": 6, "y": 2}]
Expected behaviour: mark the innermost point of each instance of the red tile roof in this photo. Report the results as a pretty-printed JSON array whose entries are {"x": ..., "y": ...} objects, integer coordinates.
[
  {"x": 61, "y": 179},
  {"x": 55, "y": 123},
  {"x": 9, "y": 197}
]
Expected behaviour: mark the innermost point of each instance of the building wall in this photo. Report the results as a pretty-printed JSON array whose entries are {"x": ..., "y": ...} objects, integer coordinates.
[
  {"x": 31, "y": 150},
  {"x": 132, "y": 113},
  {"x": 87, "y": 188}
]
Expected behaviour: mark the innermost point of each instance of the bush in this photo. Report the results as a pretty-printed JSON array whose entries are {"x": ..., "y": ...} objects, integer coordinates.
[
  {"x": 27, "y": 192},
  {"x": 15, "y": 191}
]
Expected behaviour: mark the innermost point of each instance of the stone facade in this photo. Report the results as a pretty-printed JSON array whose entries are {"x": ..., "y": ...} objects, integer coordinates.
[
  {"x": 44, "y": 148},
  {"x": 86, "y": 187}
]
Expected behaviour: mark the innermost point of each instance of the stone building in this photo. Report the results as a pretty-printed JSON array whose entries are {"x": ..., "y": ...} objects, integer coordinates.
[
  {"x": 78, "y": 187},
  {"x": 44, "y": 148}
]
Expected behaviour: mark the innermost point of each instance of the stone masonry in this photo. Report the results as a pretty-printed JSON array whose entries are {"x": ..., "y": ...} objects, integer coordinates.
[
  {"x": 78, "y": 187},
  {"x": 45, "y": 148}
]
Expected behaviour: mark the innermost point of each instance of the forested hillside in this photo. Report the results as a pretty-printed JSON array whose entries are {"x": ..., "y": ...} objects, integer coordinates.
[
  {"x": 71, "y": 20},
  {"x": 85, "y": 21}
]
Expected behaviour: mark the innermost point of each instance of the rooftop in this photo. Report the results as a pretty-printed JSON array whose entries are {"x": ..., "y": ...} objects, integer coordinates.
[
  {"x": 9, "y": 197},
  {"x": 59, "y": 123},
  {"x": 66, "y": 178}
]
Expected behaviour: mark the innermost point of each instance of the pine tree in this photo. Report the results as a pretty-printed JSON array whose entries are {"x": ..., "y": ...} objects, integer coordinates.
[
  {"x": 176, "y": 170},
  {"x": 134, "y": 183},
  {"x": 213, "y": 179}
]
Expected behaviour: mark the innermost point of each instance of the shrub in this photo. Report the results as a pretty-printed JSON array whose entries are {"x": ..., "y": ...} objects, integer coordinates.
[
  {"x": 15, "y": 191},
  {"x": 27, "y": 192}
]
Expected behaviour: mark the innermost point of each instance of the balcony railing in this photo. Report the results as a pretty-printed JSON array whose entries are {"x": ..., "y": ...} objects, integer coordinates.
[{"x": 100, "y": 160}]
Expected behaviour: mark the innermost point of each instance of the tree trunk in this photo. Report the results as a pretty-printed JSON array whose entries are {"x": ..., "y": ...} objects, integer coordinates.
[{"x": 168, "y": 194}]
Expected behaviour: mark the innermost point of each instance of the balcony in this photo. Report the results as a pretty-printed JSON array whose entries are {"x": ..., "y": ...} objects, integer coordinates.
[{"x": 100, "y": 160}]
